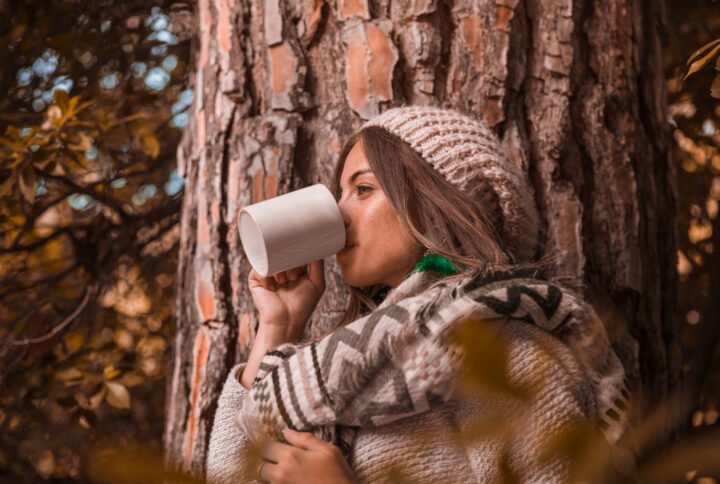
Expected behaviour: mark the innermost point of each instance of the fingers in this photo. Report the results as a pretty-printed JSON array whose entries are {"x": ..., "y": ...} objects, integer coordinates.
[
  {"x": 293, "y": 274},
  {"x": 316, "y": 274},
  {"x": 289, "y": 275},
  {"x": 265, "y": 470},
  {"x": 303, "y": 440},
  {"x": 280, "y": 278},
  {"x": 255, "y": 280},
  {"x": 273, "y": 451}
]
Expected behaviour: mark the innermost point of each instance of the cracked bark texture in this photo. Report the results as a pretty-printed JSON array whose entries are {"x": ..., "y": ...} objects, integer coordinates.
[{"x": 574, "y": 89}]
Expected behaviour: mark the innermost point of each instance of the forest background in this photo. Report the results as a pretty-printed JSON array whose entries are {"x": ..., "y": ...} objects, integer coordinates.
[{"x": 95, "y": 96}]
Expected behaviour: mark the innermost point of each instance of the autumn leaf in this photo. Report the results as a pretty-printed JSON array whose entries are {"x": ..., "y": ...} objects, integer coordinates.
[
  {"x": 6, "y": 186},
  {"x": 28, "y": 183},
  {"x": 150, "y": 145},
  {"x": 95, "y": 400},
  {"x": 117, "y": 395},
  {"x": 702, "y": 49},
  {"x": 62, "y": 99},
  {"x": 700, "y": 63},
  {"x": 54, "y": 113},
  {"x": 715, "y": 87},
  {"x": 83, "y": 143},
  {"x": 70, "y": 376}
]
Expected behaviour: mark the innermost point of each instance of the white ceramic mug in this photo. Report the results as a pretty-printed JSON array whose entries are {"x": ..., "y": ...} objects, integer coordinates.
[{"x": 291, "y": 230}]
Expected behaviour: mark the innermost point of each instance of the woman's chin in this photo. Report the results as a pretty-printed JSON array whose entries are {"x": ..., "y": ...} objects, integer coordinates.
[{"x": 352, "y": 278}]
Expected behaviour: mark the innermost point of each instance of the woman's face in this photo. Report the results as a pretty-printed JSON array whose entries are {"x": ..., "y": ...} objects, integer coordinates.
[{"x": 379, "y": 249}]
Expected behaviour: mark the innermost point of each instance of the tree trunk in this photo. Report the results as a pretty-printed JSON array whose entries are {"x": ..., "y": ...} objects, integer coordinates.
[{"x": 574, "y": 89}]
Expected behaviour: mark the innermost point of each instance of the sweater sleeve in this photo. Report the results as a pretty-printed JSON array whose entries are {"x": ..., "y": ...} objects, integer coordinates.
[
  {"x": 229, "y": 452},
  {"x": 557, "y": 398}
]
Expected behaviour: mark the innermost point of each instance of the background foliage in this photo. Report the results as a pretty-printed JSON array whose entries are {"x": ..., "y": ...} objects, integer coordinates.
[
  {"x": 94, "y": 96},
  {"x": 94, "y": 99},
  {"x": 693, "y": 88}
]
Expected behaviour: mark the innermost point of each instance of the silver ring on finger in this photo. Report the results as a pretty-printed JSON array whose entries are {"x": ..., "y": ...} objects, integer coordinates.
[{"x": 259, "y": 473}]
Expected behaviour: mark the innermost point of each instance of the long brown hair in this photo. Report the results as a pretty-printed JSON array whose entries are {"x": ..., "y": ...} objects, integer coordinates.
[{"x": 437, "y": 214}]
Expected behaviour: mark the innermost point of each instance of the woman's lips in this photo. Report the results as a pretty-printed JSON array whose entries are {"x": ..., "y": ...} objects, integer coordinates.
[{"x": 345, "y": 250}]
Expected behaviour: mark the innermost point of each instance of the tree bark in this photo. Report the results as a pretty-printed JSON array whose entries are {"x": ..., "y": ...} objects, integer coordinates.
[{"x": 574, "y": 89}]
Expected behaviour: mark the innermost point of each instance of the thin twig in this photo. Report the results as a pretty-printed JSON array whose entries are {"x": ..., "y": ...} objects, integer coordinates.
[{"x": 60, "y": 326}]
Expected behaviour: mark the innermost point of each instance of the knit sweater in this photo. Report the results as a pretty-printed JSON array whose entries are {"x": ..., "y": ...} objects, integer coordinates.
[{"x": 443, "y": 443}]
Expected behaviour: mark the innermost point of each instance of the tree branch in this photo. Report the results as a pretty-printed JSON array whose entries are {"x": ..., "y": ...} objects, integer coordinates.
[{"x": 30, "y": 341}]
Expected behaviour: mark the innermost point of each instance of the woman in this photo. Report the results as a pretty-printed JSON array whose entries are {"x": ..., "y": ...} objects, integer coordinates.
[{"x": 440, "y": 227}]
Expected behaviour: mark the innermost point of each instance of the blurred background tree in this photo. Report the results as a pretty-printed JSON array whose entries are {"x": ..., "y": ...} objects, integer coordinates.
[
  {"x": 692, "y": 63},
  {"x": 94, "y": 96}
]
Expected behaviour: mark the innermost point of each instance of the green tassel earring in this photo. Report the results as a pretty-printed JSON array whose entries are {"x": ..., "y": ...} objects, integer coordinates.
[{"x": 435, "y": 263}]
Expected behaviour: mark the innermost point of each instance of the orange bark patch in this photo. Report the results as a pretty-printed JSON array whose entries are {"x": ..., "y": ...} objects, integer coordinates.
[
  {"x": 200, "y": 357},
  {"x": 313, "y": 20},
  {"x": 224, "y": 26},
  {"x": 271, "y": 180},
  {"x": 354, "y": 8},
  {"x": 258, "y": 186},
  {"x": 282, "y": 67},
  {"x": 234, "y": 181},
  {"x": 206, "y": 299},
  {"x": 493, "y": 111},
  {"x": 504, "y": 15},
  {"x": 244, "y": 330},
  {"x": 215, "y": 212},
  {"x": 203, "y": 229},
  {"x": 472, "y": 33},
  {"x": 201, "y": 128},
  {"x": 358, "y": 82},
  {"x": 382, "y": 63}
]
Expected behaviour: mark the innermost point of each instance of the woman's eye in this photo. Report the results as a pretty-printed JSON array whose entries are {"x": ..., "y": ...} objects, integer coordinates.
[{"x": 363, "y": 189}]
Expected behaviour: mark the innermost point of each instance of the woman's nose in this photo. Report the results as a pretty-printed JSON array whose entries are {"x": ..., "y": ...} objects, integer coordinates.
[{"x": 344, "y": 213}]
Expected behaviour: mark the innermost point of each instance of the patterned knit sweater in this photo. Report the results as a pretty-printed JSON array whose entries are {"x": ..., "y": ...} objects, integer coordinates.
[{"x": 443, "y": 443}]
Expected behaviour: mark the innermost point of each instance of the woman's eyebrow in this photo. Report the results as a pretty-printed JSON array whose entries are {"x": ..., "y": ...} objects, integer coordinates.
[{"x": 357, "y": 174}]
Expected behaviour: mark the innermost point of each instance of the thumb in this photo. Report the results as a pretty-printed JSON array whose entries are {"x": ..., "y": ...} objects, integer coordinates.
[
  {"x": 316, "y": 274},
  {"x": 303, "y": 440}
]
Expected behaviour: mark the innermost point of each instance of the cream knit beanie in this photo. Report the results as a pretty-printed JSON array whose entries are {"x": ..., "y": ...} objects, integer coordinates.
[{"x": 467, "y": 153}]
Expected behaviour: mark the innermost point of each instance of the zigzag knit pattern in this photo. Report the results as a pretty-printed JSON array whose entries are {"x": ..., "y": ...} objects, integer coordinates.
[{"x": 400, "y": 361}]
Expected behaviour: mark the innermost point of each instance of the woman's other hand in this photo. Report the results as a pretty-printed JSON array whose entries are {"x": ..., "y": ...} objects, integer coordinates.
[
  {"x": 307, "y": 459},
  {"x": 286, "y": 300}
]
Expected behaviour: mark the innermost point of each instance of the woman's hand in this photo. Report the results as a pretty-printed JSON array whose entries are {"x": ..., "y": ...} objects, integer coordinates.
[
  {"x": 284, "y": 303},
  {"x": 286, "y": 300},
  {"x": 307, "y": 459}
]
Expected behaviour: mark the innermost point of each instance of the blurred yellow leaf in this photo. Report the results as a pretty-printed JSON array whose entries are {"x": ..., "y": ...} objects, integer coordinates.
[
  {"x": 150, "y": 145},
  {"x": 82, "y": 142},
  {"x": 110, "y": 372},
  {"x": 702, "y": 49},
  {"x": 62, "y": 99},
  {"x": 131, "y": 379},
  {"x": 6, "y": 186},
  {"x": 97, "y": 398},
  {"x": 75, "y": 339},
  {"x": 69, "y": 376},
  {"x": 715, "y": 87},
  {"x": 485, "y": 360},
  {"x": 117, "y": 395},
  {"x": 700, "y": 63},
  {"x": 28, "y": 183},
  {"x": 54, "y": 113}
]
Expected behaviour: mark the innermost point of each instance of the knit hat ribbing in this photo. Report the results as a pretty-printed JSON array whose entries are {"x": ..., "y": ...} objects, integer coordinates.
[{"x": 466, "y": 152}]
